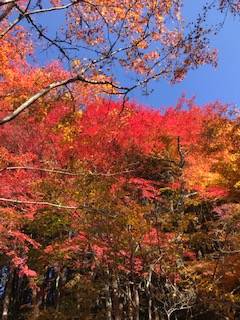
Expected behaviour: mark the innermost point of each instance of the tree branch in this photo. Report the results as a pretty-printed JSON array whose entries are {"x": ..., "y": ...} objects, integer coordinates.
[
  {"x": 7, "y": 10},
  {"x": 55, "y": 205},
  {"x": 40, "y": 203},
  {"x": 55, "y": 85},
  {"x": 64, "y": 172}
]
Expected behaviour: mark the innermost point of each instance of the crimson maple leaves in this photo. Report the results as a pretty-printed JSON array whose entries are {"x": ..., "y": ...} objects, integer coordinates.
[
  {"x": 117, "y": 191},
  {"x": 139, "y": 204}
]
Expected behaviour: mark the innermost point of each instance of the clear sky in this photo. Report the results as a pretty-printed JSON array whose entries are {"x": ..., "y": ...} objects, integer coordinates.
[{"x": 207, "y": 84}]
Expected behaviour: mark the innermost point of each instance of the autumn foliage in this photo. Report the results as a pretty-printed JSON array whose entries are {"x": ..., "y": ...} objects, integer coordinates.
[
  {"x": 110, "y": 209},
  {"x": 141, "y": 206}
]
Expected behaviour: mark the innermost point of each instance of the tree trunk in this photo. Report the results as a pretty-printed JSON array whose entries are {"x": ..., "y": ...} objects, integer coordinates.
[
  {"x": 115, "y": 298},
  {"x": 130, "y": 306},
  {"x": 7, "y": 297},
  {"x": 108, "y": 299},
  {"x": 136, "y": 302},
  {"x": 148, "y": 291},
  {"x": 156, "y": 314},
  {"x": 149, "y": 307},
  {"x": 36, "y": 303}
]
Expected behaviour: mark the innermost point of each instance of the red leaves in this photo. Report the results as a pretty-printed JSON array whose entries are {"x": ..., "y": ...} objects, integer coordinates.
[
  {"x": 23, "y": 268},
  {"x": 27, "y": 272},
  {"x": 146, "y": 187},
  {"x": 155, "y": 237},
  {"x": 23, "y": 238},
  {"x": 189, "y": 255},
  {"x": 216, "y": 192},
  {"x": 114, "y": 163}
]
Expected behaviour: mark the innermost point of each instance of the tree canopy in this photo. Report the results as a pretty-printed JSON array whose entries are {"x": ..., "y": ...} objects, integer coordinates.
[{"x": 114, "y": 46}]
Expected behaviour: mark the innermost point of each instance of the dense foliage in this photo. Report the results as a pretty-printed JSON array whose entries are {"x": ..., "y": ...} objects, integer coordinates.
[
  {"x": 112, "y": 211},
  {"x": 108, "y": 209},
  {"x": 114, "y": 46}
]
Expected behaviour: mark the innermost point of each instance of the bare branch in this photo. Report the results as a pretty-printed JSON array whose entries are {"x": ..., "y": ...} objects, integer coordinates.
[
  {"x": 39, "y": 203},
  {"x": 57, "y": 8},
  {"x": 56, "y": 205},
  {"x": 65, "y": 172},
  {"x": 11, "y": 26},
  {"x": 34, "y": 98},
  {"x": 230, "y": 251}
]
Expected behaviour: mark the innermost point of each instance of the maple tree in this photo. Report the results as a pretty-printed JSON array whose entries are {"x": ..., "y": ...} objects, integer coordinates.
[
  {"x": 113, "y": 210},
  {"x": 110, "y": 46},
  {"x": 120, "y": 206}
]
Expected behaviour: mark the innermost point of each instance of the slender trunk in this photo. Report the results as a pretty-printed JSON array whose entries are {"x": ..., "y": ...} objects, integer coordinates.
[
  {"x": 116, "y": 303},
  {"x": 148, "y": 291},
  {"x": 149, "y": 307},
  {"x": 36, "y": 304},
  {"x": 136, "y": 303},
  {"x": 129, "y": 302},
  {"x": 108, "y": 299},
  {"x": 109, "y": 307},
  {"x": 58, "y": 283},
  {"x": 7, "y": 297},
  {"x": 156, "y": 314},
  {"x": 78, "y": 301}
]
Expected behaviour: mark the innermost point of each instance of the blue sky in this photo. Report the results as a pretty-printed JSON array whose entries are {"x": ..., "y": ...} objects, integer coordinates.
[{"x": 207, "y": 84}]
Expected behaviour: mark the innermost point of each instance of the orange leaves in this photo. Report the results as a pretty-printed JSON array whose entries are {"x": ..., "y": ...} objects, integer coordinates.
[
  {"x": 151, "y": 55},
  {"x": 104, "y": 186},
  {"x": 132, "y": 29},
  {"x": 128, "y": 172},
  {"x": 56, "y": 3},
  {"x": 19, "y": 79}
]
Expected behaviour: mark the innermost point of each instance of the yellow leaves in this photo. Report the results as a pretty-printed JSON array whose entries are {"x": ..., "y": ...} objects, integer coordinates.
[
  {"x": 137, "y": 17},
  {"x": 79, "y": 114},
  {"x": 189, "y": 219},
  {"x": 76, "y": 64},
  {"x": 237, "y": 185},
  {"x": 141, "y": 44},
  {"x": 198, "y": 172},
  {"x": 67, "y": 135},
  {"x": 168, "y": 5},
  {"x": 106, "y": 84},
  {"x": 232, "y": 297},
  {"x": 68, "y": 132}
]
